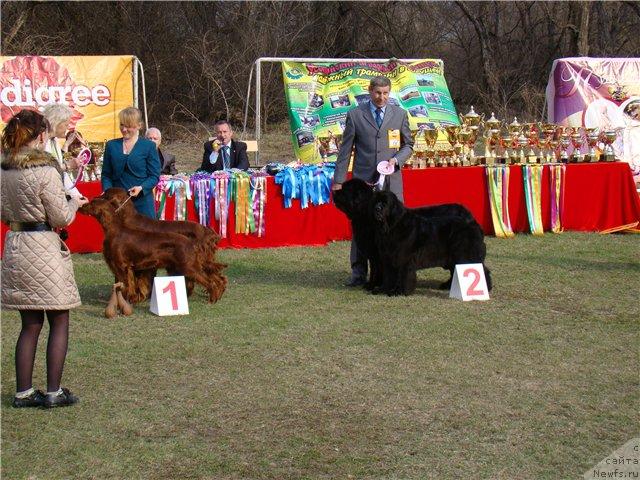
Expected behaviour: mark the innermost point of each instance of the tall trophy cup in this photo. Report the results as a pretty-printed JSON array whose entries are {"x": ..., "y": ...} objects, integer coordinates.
[
  {"x": 565, "y": 141},
  {"x": 533, "y": 137},
  {"x": 94, "y": 168},
  {"x": 592, "y": 141},
  {"x": 548, "y": 130},
  {"x": 465, "y": 136},
  {"x": 553, "y": 148},
  {"x": 576, "y": 141},
  {"x": 608, "y": 137},
  {"x": 491, "y": 136},
  {"x": 453, "y": 132},
  {"x": 517, "y": 147},
  {"x": 472, "y": 121},
  {"x": 506, "y": 142},
  {"x": 430, "y": 138}
]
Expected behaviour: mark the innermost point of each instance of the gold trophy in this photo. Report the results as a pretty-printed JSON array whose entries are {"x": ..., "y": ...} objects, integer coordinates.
[
  {"x": 506, "y": 142},
  {"x": 465, "y": 136},
  {"x": 516, "y": 131},
  {"x": 430, "y": 138},
  {"x": 417, "y": 160},
  {"x": 592, "y": 141},
  {"x": 565, "y": 141},
  {"x": 472, "y": 121},
  {"x": 533, "y": 137},
  {"x": 97, "y": 151},
  {"x": 471, "y": 118},
  {"x": 576, "y": 141},
  {"x": 491, "y": 136},
  {"x": 548, "y": 130},
  {"x": 453, "y": 132},
  {"x": 522, "y": 141},
  {"x": 553, "y": 147},
  {"x": 608, "y": 137}
]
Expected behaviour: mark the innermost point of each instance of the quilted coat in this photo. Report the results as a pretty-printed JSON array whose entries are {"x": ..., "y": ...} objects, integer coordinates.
[{"x": 37, "y": 273}]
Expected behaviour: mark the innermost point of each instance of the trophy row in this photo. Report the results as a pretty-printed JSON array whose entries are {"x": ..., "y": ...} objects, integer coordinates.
[{"x": 513, "y": 143}]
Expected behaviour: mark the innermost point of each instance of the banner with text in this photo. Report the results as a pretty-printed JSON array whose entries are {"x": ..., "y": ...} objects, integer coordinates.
[
  {"x": 319, "y": 95},
  {"x": 96, "y": 88}
]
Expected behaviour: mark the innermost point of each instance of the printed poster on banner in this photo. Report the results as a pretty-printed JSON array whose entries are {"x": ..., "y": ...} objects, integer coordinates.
[
  {"x": 96, "y": 89},
  {"x": 319, "y": 95},
  {"x": 599, "y": 93}
]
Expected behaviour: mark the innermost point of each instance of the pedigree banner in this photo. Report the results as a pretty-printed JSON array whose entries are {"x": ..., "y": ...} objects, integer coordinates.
[
  {"x": 601, "y": 93},
  {"x": 319, "y": 95},
  {"x": 96, "y": 88}
]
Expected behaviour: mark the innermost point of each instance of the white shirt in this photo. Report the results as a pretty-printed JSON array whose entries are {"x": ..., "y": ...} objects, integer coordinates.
[{"x": 54, "y": 149}]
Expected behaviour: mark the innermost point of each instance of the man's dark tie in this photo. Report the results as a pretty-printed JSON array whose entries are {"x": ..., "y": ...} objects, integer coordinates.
[
  {"x": 225, "y": 158},
  {"x": 379, "y": 117}
]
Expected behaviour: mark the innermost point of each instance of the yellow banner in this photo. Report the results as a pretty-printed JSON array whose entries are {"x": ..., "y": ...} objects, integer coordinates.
[{"x": 96, "y": 88}]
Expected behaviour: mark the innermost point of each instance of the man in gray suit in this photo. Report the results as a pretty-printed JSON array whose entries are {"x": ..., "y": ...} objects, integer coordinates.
[{"x": 379, "y": 132}]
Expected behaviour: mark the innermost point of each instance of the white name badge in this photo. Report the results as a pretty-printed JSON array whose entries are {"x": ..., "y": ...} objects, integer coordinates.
[
  {"x": 169, "y": 296},
  {"x": 469, "y": 283}
]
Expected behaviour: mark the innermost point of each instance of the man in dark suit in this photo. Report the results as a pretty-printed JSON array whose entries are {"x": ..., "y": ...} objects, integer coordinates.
[
  {"x": 167, "y": 161},
  {"x": 223, "y": 153},
  {"x": 379, "y": 131}
]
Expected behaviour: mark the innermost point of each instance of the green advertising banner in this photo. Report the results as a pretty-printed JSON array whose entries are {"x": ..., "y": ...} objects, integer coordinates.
[{"x": 319, "y": 95}]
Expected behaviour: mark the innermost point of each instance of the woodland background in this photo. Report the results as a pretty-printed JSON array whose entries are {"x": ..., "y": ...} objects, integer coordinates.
[{"x": 198, "y": 55}]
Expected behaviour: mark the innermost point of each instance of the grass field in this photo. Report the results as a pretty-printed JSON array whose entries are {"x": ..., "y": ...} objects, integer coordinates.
[{"x": 292, "y": 376}]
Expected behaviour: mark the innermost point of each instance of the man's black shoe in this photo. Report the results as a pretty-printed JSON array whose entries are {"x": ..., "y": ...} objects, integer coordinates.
[
  {"x": 355, "y": 282},
  {"x": 36, "y": 399},
  {"x": 64, "y": 399}
]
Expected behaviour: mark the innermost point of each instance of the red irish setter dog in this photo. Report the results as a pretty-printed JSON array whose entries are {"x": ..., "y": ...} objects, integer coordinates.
[
  {"x": 206, "y": 238},
  {"x": 133, "y": 254}
]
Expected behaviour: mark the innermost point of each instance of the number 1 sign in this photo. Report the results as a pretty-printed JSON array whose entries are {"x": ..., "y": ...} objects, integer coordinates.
[
  {"x": 169, "y": 296},
  {"x": 469, "y": 283}
]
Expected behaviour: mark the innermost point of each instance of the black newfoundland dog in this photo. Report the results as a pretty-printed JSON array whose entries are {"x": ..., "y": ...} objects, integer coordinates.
[
  {"x": 407, "y": 241},
  {"x": 355, "y": 200}
]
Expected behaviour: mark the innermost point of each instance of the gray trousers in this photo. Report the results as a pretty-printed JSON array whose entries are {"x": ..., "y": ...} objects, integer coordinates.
[{"x": 359, "y": 264}]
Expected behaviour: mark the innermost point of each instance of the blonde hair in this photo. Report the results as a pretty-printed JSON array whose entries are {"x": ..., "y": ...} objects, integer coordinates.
[{"x": 130, "y": 117}]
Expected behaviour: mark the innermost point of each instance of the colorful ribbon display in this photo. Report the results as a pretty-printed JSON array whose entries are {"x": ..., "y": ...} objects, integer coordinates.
[
  {"x": 311, "y": 184},
  {"x": 498, "y": 180},
  {"x": 557, "y": 173},
  {"x": 532, "y": 178},
  {"x": 248, "y": 192}
]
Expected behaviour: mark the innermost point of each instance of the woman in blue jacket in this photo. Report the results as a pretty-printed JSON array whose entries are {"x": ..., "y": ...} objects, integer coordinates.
[{"x": 132, "y": 163}]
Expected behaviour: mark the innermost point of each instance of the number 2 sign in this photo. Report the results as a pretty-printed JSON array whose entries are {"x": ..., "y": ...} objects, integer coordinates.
[
  {"x": 469, "y": 283},
  {"x": 169, "y": 296}
]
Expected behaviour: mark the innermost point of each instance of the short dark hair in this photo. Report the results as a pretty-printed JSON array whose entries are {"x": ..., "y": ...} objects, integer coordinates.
[
  {"x": 379, "y": 82},
  {"x": 222, "y": 122}
]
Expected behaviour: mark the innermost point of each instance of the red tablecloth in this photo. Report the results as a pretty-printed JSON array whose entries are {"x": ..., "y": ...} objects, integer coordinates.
[{"x": 598, "y": 197}]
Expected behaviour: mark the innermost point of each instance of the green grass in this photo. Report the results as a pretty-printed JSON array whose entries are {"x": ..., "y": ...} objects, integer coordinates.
[{"x": 292, "y": 376}]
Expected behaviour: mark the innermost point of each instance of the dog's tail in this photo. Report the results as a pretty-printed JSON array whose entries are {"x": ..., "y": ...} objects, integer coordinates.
[{"x": 487, "y": 276}]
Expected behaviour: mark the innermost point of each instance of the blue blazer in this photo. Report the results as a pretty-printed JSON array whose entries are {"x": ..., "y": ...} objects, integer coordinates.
[{"x": 140, "y": 167}]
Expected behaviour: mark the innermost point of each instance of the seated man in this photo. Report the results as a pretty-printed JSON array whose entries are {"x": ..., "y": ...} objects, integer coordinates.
[
  {"x": 224, "y": 153},
  {"x": 167, "y": 161}
]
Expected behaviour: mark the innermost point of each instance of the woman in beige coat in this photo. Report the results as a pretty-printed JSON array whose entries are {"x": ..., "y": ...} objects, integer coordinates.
[{"x": 37, "y": 273}]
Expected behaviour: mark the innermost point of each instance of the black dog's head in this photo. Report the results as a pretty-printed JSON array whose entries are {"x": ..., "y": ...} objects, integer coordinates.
[
  {"x": 386, "y": 208},
  {"x": 353, "y": 198}
]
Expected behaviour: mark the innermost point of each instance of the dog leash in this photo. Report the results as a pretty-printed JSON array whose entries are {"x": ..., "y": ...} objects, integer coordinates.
[{"x": 123, "y": 203}]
